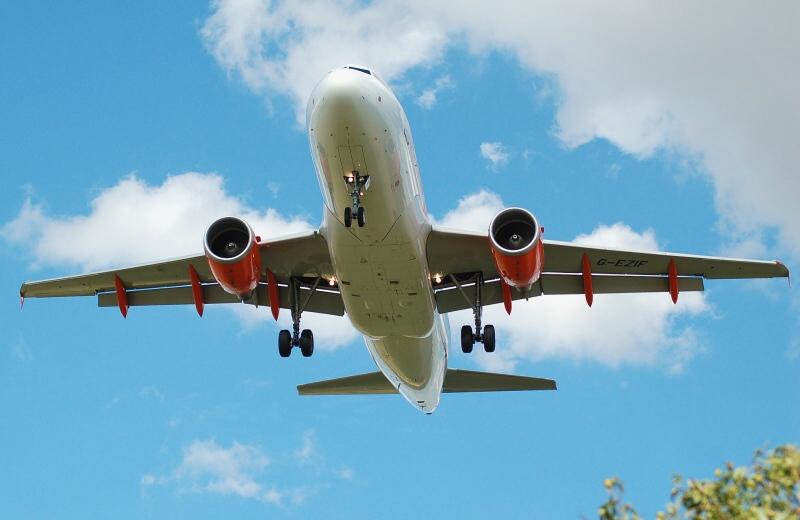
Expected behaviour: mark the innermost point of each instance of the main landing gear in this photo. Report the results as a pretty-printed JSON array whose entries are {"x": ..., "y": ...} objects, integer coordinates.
[
  {"x": 356, "y": 183},
  {"x": 287, "y": 340},
  {"x": 305, "y": 339},
  {"x": 468, "y": 339},
  {"x": 485, "y": 336}
]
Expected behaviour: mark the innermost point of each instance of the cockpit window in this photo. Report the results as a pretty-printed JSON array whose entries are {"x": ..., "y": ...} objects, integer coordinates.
[
  {"x": 359, "y": 69},
  {"x": 368, "y": 73}
]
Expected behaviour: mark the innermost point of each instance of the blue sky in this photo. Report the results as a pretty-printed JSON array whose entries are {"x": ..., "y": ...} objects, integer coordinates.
[{"x": 126, "y": 128}]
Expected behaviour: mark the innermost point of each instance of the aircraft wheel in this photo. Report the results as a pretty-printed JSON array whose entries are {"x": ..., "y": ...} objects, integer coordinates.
[
  {"x": 467, "y": 339},
  {"x": 360, "y": 217},
  {"x": 307, "y": 343},
  {"x": 488, "y": 338},
  {"x": 348, "y": 217},
  {"x": 285, "y": 343}
]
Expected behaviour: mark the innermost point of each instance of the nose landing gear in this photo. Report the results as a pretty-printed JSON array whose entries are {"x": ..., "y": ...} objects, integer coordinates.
[
  {"x": 348, "y": 216},
  {"x": 356, "y": 183}
]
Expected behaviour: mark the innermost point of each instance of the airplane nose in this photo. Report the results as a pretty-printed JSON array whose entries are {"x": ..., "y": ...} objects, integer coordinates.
[
  {"x": 336, "y": 91},
  {"x": 342, "y": 94}
]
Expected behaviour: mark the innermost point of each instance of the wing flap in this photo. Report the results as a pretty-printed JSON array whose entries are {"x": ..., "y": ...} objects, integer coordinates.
[
  {"x": 610, "y": 284},
  {"x": 321, "y": 301},
  {"x": 450, "y": 299}
]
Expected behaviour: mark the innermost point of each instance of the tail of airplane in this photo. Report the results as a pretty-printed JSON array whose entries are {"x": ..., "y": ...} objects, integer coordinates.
[{"x": 454, "y": 381}]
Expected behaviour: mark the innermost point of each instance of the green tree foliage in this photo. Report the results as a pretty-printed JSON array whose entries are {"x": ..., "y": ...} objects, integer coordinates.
[{"x": 768, "y": 489}]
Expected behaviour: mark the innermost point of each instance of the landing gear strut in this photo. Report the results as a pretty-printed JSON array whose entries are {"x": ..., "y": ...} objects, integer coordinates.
[
  {"x": 355, "y": 182},
  {"x": 305, "y": 339},
  {"x": 485, "y": 336}
]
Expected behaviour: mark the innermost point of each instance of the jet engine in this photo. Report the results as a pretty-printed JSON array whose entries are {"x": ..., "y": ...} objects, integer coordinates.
[
  {"x": 233, "y": 255},
  {"x": 517, "y": 248}
]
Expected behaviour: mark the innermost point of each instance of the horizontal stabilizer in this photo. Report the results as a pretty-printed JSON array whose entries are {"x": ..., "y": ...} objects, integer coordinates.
[
  {"x": 372, "y": 383},
  {"x": 469, "y": 381},
  {"x": 454, "y": 381}
]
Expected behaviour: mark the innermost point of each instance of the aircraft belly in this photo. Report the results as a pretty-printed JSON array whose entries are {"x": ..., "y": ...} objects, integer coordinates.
[{"x": 385, "y": 288}]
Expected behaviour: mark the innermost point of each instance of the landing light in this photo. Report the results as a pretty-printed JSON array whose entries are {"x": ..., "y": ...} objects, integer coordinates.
[
  {"x": 438, "y": 278},
  {"x": 332, "y": 281}
]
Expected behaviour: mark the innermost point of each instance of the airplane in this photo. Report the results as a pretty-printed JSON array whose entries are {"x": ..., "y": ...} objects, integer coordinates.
[{"x": 378, "y": 259}]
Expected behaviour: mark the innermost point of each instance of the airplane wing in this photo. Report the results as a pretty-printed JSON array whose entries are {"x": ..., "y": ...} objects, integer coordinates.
[
  {"x": 462, "y": 258},
  {"x": 303, "y": 258}
]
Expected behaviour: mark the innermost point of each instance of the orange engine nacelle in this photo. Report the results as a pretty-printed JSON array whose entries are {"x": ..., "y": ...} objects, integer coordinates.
[
  {"x": 233, "y": 255},
  {"x": 517, "y": 247}
]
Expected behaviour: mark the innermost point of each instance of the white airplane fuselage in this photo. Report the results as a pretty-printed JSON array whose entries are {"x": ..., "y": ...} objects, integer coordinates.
[{"x": 357, "y": 127}]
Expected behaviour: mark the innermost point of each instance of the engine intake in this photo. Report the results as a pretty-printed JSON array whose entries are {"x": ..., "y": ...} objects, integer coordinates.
[
  {"x": 517, "y": 248},
  {"x": 234, "y": 258}
]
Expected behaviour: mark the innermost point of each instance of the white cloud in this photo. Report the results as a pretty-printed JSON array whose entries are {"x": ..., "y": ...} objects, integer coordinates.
[
  {"x": 428, "y": 97},
  {"x": 714, "y": 81},
  {"x": 308, "y": 453},
  {"x": 474, "y": 212},
  {"x": 495, "y": 153},
  {"x": 619, "y": 236},
  {"x": 209, "y": 468},
  {"x": 21, "y": 351},
  {"x": 241, "y": 470},
  {"x": 134, "y": 222},
  {"x": 151, "y": 392},
  {"x": 346, "y": 474},
  {"x": 286, "y": 47}
]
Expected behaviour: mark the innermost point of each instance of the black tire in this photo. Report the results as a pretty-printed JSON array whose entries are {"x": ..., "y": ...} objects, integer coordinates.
[
  {"x": 285, "y": 343},
  {"x": 360, "y": 217},
  {"x": 348, "y": 217},
  {"x": 488, "y": 338},
  {"x": 307, "y": 343},
  {"x": 467, "y": 339}
]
